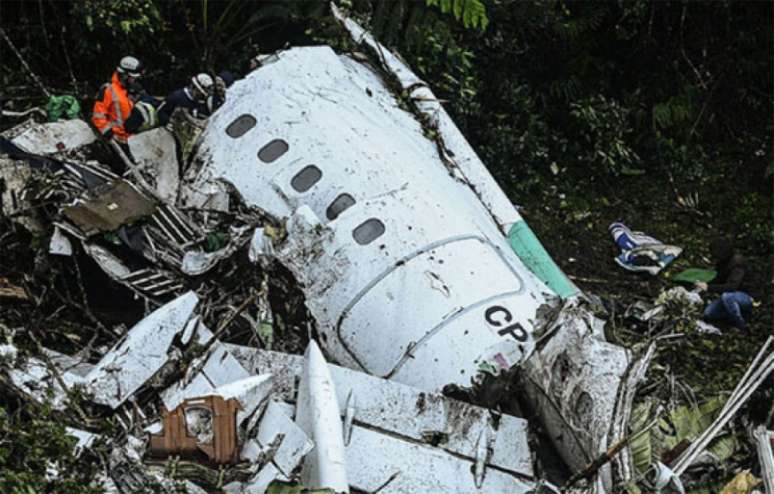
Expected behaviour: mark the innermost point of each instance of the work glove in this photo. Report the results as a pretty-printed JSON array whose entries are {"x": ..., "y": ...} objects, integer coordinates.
[{"x": 107, "y": 136}]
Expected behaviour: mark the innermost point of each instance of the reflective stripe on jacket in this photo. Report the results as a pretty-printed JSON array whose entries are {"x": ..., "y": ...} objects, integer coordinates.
[{"x": 112, "y": 109}]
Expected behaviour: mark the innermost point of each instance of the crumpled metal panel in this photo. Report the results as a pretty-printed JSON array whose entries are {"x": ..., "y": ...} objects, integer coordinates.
[
  {"x": 573, "y": 381},
  {"x": 134, "y": 360},
  {"x": 55, "y": 137},
  {"x": 109, "y": 207},
  {"x": 294, "y": 444},
  {"x": 155, "y": 154},
  {"x": 406, "y": 412},
  {"x": 378, "y": 155}
]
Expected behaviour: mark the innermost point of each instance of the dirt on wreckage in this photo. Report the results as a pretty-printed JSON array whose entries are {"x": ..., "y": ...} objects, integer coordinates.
[{"x": 214, "y": 302}]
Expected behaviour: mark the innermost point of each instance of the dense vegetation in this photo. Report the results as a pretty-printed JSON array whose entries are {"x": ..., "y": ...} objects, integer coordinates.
[{"x": 658, "y": 113}]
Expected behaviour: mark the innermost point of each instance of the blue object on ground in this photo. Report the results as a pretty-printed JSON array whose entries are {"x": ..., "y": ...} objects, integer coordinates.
[{"x": 731, "y": 307}]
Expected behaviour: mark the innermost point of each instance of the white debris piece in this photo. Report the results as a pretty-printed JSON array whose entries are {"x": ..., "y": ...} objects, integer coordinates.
[
  {"x": 143, "y": 352},
  {"x": 251, "y": 451},
  {"x": 107, "y": 261},
  {"x": 196, "y": 262},
  {"x": 409, "y": 416},
  {"x": 260, "y": 246},
  {"x": 763, "y": 440},
  {"x": 55, "y": 137},
  {"x": 85, "y": 439},
  {"x": 317, "y": 414},
  {"x": 251, "y": 392},
  {"x": 155, "y": 153},
  {"x": 220, "y": 368},
  {"x": 703, "y": 327},
  {"x": 573, "y": 382},
  {"x": 294, "y": 445},
  {"x": 60, "y": 245},
  {"x": 393, "y": 466},
  {"x": 8, "y": 352}
]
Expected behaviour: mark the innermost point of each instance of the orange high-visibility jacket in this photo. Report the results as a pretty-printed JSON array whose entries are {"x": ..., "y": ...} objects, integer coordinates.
[{"x": 112, "y": 109}]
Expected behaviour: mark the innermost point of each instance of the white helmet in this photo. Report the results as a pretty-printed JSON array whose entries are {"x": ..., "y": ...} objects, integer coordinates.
[
  {"x": 203, "y": 83},
  {"x": 130, "y": 66}
]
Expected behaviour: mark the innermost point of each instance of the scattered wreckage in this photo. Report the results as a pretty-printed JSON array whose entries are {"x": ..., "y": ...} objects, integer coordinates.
[{"x": 420, "y": 277}]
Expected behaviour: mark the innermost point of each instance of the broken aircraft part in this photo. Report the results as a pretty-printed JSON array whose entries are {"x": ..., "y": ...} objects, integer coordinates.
[
  {"x": 317, "y": 413},
  {"x": 380, "y": 263},
  {"x": 55, "y": 137},
  {"x": 155, "y": 153},
  {"x": 203, "y": 425},
  {"x": 409, "y": 440},
  {"x": 130, "y": 364},
  {"x": 111, "y": 206}
]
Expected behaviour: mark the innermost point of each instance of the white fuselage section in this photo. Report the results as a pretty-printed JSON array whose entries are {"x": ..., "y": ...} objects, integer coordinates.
[{"x": 403, "y": 267}]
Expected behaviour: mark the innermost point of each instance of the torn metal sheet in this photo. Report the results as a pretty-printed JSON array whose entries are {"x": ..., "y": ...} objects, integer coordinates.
[
  {"x": 277, "y": 427},
  {"x": 136, "y": 359},
  {"x": 260, "y": 246},
  {"x": 85, "y": 439},
  {"x": 155, "y": 154},
  {"x": 55, "y": 137},
  {"x": 196, "y": 262},
  {"x": 250, "y": 392},
  {"x": 375, "y": 242},
  {"x": 409, "y": 415},
  {"x": 218, "y": 368},
  {"x": 109, "y": 207},
  {"x": 317, "y": 413},
  {"x": 109, "y": 263},
  {"x": 60, "y": 245},
  {"x": 199, "y": 426},
  {"x": 573, "y": 381}
]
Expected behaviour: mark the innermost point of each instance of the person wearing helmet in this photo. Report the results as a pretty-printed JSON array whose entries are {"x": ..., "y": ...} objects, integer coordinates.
[
  {"x": 115, "y": 100},
  {"x": 192, "y": 98}
]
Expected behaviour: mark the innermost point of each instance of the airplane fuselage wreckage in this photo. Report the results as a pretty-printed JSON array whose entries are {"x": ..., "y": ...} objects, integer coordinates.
[{"x": 423, "y": 284}]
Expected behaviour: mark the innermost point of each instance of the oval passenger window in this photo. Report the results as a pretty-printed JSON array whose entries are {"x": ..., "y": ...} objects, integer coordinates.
[
  {"x": 273, "y": 150},
  {"x": 368, "y": 231},
  {"x": 344, "y": 201},
  {"x": 240, "y": 126},
  {"x": 306, "y": 178}
]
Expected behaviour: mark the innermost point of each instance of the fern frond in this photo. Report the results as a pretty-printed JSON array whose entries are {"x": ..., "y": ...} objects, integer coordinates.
[{"x": 472, "y": 13}]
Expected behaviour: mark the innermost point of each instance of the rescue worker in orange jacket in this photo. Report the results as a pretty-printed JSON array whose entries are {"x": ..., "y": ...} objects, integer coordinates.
[{"x": 114, "y": 103}]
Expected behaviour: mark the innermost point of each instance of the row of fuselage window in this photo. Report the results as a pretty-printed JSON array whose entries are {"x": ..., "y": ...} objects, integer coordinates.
[{"x": 364, "y": 234}]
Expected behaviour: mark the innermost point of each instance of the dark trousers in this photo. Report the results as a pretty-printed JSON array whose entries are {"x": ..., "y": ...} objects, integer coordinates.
[{"x": 731, "y": 307}]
